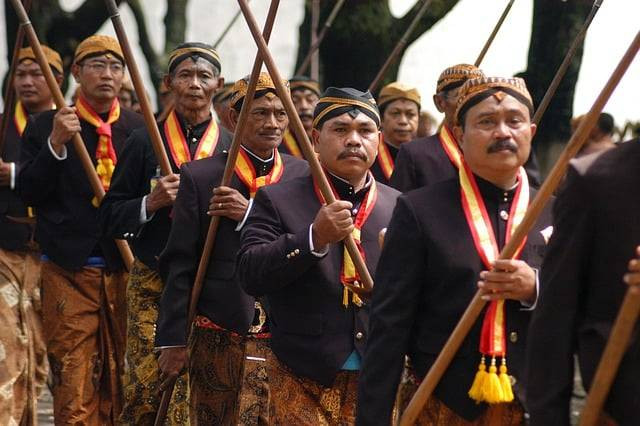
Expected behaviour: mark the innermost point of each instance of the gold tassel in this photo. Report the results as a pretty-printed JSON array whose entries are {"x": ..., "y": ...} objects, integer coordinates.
[
  {"x": 345, "y": 297},
  {"x": 505, "y": 382},
  {"x": 475, "y": 392},
  {"x": 492, "y": 389}
]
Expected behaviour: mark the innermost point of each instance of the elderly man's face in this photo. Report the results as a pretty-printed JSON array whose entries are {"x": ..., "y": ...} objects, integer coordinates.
[
  {"x": 193, "y": 84},
  {"x": 496, "y": 137}
]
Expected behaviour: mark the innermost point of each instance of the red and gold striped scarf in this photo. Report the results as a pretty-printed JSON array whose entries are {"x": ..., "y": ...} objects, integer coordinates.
[
  {"x": 247, "y": 173},
  {"x": 290, "y": 142},
  {"x": 488, "y": 386},
  {"x": 385, "y": 160},
  {"x": 178, "y": 143}
]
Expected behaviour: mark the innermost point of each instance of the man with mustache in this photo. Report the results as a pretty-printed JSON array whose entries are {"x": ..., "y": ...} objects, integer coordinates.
[
  {"x": 305, "y": 93},
  {"x": 292, "y": 254},
  {"x": 229, "y": 325},
  {"x": 435, "y": 259},
  {"x": 400, "y": 111},
  {"x": 138, "y": 208},
  {"x": 23, "y": 368},
  {"x": 82, "y": 273}
]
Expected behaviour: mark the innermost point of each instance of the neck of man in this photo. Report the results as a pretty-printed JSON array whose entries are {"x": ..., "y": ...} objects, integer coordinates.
[
  {"x": 100, "y": 106},
  {"x": 357, "y": 182},
  {"x": 501, "y": 179},
  {"x": 263, "y": 154},
  {"x": 389, "y": 141},
  {"x": 193, "y": 117},
  {"x": 40, "y": 107}
]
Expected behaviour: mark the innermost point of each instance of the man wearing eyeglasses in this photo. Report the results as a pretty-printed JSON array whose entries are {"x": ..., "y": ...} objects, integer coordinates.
[{"x": 82, "y": 273}]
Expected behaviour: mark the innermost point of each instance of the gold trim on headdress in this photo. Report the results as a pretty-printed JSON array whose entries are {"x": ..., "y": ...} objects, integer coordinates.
[
  {"x": 457, "y": 73},
  {"x": 342, "y": 102},
  {"x": 194, "y": 49},
  {"x": 472, "y": 88},
  {"x": 97, "y": 44},
  {"x": 53, "y": 57},
  {"x": 241, "y": 86},
  {"x": 394, "y": 91}
]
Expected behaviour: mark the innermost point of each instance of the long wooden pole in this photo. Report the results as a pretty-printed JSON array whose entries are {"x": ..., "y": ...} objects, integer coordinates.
[
  {"x": 399, "y": 46},
  {"x": 535, "y": 208},
  {"x": 225, "y": 181},
  {"x": 78, "y": 143},
  {"x": 136, "y": 79},
  {"x": 305, "y": 144},
  {"x": 564, "y": 66},
  {"x": 323, "y": 32},
  {"x": 493, "y": 34},
  {"x": 9, "y": 92}
]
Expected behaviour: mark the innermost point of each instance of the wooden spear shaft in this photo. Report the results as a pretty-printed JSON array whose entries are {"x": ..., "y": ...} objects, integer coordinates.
[
  {"x": 136, "y": 79},
  {"x": 493, "y": 34},
  {"x": 78, "y": 143},
  {"x": 533, "y": 212},
  {"x": 225, "y": 181},
  {"x": 323, "y": 32},
  {"x": 9, "y": 93},
  {"x": 305, "y": 144},
  {"x": 562, "y": 70},
  {"x": 399, "y": 46}
]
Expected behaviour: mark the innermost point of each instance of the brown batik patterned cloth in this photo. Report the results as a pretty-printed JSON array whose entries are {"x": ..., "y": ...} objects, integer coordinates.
[
  {"x": 141, "y": 378},
  {"x": 300, "y": 401},
  {"x": 23, "y": 360},
  {"x": 435, "y": 413},
  {"x": 84, "y": 321},
  {"x": 226, "y": 387}
]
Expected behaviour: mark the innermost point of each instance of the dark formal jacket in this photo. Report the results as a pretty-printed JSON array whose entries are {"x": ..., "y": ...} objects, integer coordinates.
[
  {"x": 597, "y": 228},
  {"x": 311, "y": 331},
  {"x": 67, "y": 228},
  {"x": 376, "y": 169},
  {"x": 13, "y": 235},
  {"x": 222, "y": 300},
  {"x": 427, "y": 275},
  {"x": 423, "y": 162},
  {"x": 137, "y": 167}
]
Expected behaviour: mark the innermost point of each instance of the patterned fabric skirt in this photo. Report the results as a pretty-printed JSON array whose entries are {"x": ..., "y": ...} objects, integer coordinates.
[
  {"x": 300, "y": 401},
  {"x": 228, "y": 377},
  {"x": 436, "y": 413},
  {"x": 84, "y": 322},
  {"x": 141, "y": 373},
  {"x": 23, "y": 356}
]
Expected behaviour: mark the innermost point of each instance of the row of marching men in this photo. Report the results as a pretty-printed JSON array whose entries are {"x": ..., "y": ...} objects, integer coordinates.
[{"x": 283, "y": 334}]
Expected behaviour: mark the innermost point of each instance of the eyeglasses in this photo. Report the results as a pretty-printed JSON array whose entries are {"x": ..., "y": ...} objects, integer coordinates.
[{"x": 99, "y": 67}]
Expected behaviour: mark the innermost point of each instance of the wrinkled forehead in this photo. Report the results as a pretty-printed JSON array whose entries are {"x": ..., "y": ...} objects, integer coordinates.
[
  {"x": 27, "y": 64},
  {"x": 353, "y": 117},
  {"x": 194, "y": 63},
  {"x": 498, "y": 101}
]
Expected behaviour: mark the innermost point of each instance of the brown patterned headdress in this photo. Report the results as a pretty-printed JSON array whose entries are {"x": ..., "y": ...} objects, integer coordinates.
[
  {"x": 478, "y": 89},
  {"x": 394, "y": 91},
  {"x": 96, "y": 45},
  {"x": 264, "y": 87},
  {"x": 456, "y": 75},
  {"x": 53, "y": 57}
]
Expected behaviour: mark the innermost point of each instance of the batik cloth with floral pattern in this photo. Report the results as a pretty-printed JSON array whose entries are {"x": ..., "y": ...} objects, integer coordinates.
[
  {"x": 228, "y": 376},
  {"x": 300, "y": 401},
  {"x": 141, "y": 378},
  {"x": 436, "y": 413},
  {"x": 84, "y": 318},
  {"x": 23, "y": 360}
]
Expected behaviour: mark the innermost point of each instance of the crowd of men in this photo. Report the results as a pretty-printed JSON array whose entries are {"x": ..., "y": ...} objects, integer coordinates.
[{"x": 283, "y": 332}]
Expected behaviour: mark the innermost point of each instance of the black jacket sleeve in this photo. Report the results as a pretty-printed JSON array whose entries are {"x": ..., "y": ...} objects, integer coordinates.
[
  {"x": 178, "y": 263},
  {"x": 264, "y": 245},
  {"x": 551, "y": 344},
  {"x": 39, "y": 169},
  {"x": 399, "y": 277},
  {"x": 119, "y": 212}
]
